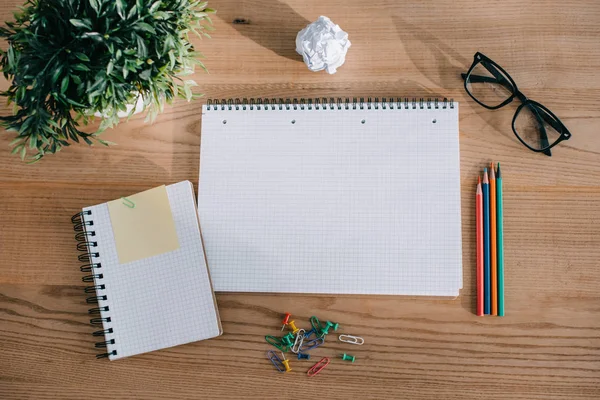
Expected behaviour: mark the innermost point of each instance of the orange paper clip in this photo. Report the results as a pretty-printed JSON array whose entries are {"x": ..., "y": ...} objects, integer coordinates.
[{"x": 315, "y": 369}]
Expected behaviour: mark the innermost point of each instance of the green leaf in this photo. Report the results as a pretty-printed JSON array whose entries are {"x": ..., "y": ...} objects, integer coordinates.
[
  {"x": 23, "y": 153},
  {"x": 15, "y": 141},
  {"x": 36, "y": 158},
  {"x": 75, "y": 103},
  {"x": 142, "y": 50},
  {"x": 144, "y": 27},
  {"x": 172, "y": 59},
  {"x": 11, "y": 56},
  {"x": 64, "y": 85},
  {"x": 121, "y": 5},
  {"x": 95, "y": 36},
  {"x": 81, "y": 23},
  {"x": 162, "y": 15},
  {"x": 76, "y": 79},
  {"x": 132, "y": 12},
  {"x": 80, "y": 67},
  {"x": 106, "y": 142},
  {"x": 56, "y": 74},
  {"x": 155, "y": 6},
  {"x": 188, "y": 92},
  {"x": 95, "y": 5},
  {"x": 109, "y": 67},
  {"x": 145, "y": 74},
  {"x": 18, "y": 148},
  {"x": 81, "y": 56}
]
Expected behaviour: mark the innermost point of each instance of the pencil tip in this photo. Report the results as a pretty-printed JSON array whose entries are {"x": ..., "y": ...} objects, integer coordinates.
[
  {"x": 498, "y": 175},
  {"x": 478, "y": 180},
  {"x": 485, "y": 176}
]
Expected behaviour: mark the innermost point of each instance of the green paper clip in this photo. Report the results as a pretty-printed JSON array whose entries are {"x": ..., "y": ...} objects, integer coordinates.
[
  {"x": 127, "y": 202},
  {"x": 316, "y": 324},
  {"x": 275, "y": 341}
]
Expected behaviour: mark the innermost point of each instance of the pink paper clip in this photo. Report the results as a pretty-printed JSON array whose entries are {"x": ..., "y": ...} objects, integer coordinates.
[{"x": 315, "y": 369}]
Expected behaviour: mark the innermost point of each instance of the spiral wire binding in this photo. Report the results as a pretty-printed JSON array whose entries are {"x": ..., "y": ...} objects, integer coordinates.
[
  {"x": 324, "y": 103},
  {"x": 84, "y": 244}
]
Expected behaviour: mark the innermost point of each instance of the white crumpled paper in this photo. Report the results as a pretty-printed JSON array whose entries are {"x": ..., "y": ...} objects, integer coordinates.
[{"x": 323, "y": 45}]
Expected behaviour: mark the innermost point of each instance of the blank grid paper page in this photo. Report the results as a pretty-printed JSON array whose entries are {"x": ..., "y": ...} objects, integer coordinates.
[
  {"x": 318, "y": 201},
  {"x": 160, "y": 301}
]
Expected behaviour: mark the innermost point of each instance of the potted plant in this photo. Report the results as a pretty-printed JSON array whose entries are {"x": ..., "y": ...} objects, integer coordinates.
[{"x": 69, "y": 59}]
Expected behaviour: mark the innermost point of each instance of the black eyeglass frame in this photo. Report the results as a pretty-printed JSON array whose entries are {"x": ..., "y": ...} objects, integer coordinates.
[{"x": 547, "y": 115}]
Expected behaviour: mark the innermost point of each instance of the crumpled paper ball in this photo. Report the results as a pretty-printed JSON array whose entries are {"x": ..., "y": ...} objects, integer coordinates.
[{"x": 323, "y": 45}]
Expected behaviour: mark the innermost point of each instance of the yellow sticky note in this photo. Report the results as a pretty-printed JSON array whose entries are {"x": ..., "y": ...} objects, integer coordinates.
[{"x": 145, "y": 230}]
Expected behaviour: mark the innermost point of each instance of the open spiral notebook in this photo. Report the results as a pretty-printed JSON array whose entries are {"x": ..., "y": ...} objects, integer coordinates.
[{"x": 332, "y": 197}]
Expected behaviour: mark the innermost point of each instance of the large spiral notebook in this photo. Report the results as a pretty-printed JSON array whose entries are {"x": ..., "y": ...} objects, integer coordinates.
[
  {"x": 324, "y": 196},
  {"x": 146, "y": 271}
]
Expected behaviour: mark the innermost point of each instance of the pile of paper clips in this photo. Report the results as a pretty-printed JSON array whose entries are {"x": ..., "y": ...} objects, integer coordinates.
[{"x": 300, "y": 342}]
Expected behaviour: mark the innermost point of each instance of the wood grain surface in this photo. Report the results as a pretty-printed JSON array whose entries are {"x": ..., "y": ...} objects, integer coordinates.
[{"x": 547, "y": 346}]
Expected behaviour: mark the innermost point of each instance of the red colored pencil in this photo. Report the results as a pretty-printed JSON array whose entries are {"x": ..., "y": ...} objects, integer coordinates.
[{"x": 479, "y": 223}]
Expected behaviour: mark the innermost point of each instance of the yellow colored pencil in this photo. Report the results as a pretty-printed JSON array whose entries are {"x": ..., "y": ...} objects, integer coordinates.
[{"x": 493, "y": 257}]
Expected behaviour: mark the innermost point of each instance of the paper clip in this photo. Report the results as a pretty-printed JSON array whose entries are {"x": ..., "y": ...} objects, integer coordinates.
[
  {"x": 318, "y": 367},
  {"x": 298, "y": 341},
  {"x": 275, "y": 341},
  {"x": 127, "y": 202},
  {"x": 311, "y": 344},
  {"x": 276, "y": 361},
  {"x": 309, "y": 333},
  {"x": 314, "y": 321},
  {"x": 351, "y": 339}
]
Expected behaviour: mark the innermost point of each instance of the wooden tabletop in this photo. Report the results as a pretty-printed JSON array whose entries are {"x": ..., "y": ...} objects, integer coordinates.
[{"x": 547, "y": 346}]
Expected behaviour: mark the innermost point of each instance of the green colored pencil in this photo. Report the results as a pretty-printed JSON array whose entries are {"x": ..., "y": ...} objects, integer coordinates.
[{"x": 500, "y": 242}]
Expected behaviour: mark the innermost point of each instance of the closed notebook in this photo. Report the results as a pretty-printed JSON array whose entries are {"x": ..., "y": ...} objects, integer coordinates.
[{"x": 147, "y": 272}]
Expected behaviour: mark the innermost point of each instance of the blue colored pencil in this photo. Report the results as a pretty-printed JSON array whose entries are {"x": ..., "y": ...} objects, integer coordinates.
[{"x": 487, "y": 284}]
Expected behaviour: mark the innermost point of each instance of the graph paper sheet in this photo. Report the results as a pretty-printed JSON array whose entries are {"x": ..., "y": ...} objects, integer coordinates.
[
  {"x": 332, "y": 201},
  {"x": 160, "y": 301}
]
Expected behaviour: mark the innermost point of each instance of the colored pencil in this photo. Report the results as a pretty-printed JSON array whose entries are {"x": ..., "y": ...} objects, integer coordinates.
[
  {"x": 479, "y": 223},
  {"x": 500, "y": 238},
  {"x": 486, "y": 242},
  {"x": 494, "y": 275}
]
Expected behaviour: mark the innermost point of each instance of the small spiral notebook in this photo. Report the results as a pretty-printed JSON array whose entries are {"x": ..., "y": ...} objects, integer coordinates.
[
  {"x": 323, "y": 196},
  {"x": 146, "y": 271}
]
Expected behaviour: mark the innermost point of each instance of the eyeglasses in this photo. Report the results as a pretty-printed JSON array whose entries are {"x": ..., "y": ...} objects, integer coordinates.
[{"x": 533, "y": 124}]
